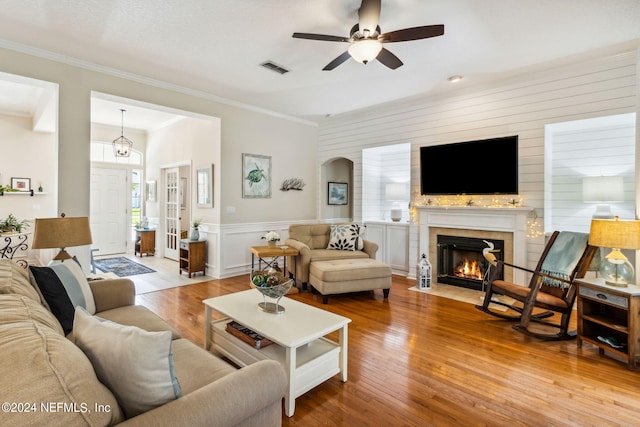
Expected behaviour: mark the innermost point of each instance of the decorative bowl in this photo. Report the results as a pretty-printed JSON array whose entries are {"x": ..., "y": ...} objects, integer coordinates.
[{"x": 273, "y": 285}]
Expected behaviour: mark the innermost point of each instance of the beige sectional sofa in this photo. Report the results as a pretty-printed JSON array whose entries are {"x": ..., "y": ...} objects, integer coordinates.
[
  {"x": 48, "y": 380},
  {"x": 311, "y": 240}
]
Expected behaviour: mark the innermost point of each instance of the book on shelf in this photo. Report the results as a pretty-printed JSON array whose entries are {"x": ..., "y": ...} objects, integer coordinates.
[{"x": 247, "y": 335}]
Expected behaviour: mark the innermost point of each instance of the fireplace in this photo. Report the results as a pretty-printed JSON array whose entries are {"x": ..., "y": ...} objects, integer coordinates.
[
  {"x": 460, "y": 262},
  {"x": 507, "y": 224}
]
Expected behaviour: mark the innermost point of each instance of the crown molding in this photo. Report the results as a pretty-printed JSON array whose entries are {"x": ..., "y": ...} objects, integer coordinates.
[{"x": 75, "y": 62}]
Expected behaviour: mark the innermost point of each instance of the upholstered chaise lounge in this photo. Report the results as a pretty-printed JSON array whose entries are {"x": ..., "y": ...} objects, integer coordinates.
[
  {"x": 335, "y": 259},
  {"x": 312, "y": 240}
]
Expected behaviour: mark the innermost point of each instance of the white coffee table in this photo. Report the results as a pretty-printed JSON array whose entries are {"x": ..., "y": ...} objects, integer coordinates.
[{"x": 300, "y": 345}]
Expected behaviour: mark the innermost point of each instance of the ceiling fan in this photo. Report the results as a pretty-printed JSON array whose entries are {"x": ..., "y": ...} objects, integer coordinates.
[{"x": 366, "y": 39}]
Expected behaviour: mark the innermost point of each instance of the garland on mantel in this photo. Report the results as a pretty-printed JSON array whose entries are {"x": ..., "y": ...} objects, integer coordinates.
[{"x": 511, "y": 201}]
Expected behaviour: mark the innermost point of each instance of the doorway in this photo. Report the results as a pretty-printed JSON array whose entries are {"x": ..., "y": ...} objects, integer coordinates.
[
  {"x": 176, "y": 207},
  {"x": 108, "y": 210}
]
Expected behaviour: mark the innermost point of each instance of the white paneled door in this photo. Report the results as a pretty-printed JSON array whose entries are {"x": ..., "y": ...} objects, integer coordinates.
[
  {"x": 172, "y": 213},
  {"x": 108, "y": 207}
]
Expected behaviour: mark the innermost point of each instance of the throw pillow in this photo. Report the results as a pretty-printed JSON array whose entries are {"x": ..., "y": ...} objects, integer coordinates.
[
  {"x": 63, "y": 286},
  {"x": 136, "y": 365},
  {"x": 345, "y": 237}
]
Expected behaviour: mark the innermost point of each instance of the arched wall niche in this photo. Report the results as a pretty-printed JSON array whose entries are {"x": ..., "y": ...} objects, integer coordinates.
[{"x": 336, "y": 170}]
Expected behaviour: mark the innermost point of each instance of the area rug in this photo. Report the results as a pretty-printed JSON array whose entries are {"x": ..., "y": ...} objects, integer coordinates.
[
  {"x": 458, "y": 293},
  {"x": 122, "y": 266}
]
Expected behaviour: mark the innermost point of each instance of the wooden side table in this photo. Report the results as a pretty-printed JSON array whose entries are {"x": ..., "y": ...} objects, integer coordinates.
[
  {"x": 610, "y": 312},
  {"x": 145, "y": 242},
  {"x": 193, "y": 256},
  {"x": 265, "y": 252}
]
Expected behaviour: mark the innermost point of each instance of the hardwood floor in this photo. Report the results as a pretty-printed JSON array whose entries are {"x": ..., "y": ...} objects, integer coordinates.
[{"x": 420, "y": 360}]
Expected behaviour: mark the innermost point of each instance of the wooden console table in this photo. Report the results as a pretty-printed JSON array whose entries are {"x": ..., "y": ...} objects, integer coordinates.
[
  {"x": 610, "y": 311},
  {"x": 145, "y": 242},
  {"x": 193, "y": 256}
]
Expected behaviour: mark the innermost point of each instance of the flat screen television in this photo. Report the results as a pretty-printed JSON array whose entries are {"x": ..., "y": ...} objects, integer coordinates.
[{"x": 488, "y": 166}]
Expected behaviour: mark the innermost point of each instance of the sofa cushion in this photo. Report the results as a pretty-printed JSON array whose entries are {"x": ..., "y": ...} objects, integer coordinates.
[
  {"x": 196, "y": 367},
  {"x": 41, "y": 366},
  {"x": 64, "y": 287},
  {"x": 313, "y": 235},
  {"x": 140, "y": 316},
  {"x": 329, "y": 254},
  {"x": 135, "y": 364},
  {"x": 15, "y": 280},
  {"x": 18, "y": 308},
  {"x": 345, "y": 237},
  {"x": 345, "y": 270}
]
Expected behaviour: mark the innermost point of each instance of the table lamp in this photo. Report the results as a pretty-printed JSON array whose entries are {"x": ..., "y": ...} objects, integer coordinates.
[
  {"x": 603, "y": 190},
  {"x": 616, "y": 234},
  {"x": 61, "y": 233}
]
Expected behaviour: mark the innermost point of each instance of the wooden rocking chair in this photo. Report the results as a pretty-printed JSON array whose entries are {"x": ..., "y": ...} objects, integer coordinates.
[{"x": 566, "y": 257}]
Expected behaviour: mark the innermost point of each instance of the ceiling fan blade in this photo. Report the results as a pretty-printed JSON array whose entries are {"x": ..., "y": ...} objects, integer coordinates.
[
  {"x": 322, "y": 37},
  {"x": 389, "y": 59},
  {"x": 415, "y": 33},
  {"x": 369, "y": 15},
  {"x": 339, "y": 60}
]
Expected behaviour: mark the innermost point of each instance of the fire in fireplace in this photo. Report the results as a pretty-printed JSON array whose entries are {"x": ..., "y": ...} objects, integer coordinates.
[
  {"x": 469, "y": 269},
  {"x": 460, "y": 261}
]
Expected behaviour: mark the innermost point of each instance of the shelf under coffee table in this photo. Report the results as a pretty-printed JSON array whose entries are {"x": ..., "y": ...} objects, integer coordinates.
[{"x": 299, "y": 342}]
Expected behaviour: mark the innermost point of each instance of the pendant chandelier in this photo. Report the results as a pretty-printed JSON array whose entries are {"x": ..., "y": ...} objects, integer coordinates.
[{"x": 122, "y": 146}]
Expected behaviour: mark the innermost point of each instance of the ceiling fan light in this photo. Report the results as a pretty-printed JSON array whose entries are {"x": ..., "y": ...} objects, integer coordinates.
[{"x": 365, "y": 50}]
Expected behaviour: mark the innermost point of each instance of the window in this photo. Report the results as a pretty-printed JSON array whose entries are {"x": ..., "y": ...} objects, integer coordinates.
[{"x": 103, "y": 152}]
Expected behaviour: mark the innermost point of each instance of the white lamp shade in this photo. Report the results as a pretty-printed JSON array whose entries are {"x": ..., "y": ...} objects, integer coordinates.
[
  {"x": 395, "y": 192},
  {"x": 603, "y": 189},
  {"x": 365, "y": 50}
]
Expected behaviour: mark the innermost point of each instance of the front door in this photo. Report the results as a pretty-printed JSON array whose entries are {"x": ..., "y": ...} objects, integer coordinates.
[{"x": 108, "y": 210}]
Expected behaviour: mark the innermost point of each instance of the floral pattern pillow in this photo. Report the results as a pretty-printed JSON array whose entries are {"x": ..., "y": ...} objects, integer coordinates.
[{"x": 346, "y": 238}]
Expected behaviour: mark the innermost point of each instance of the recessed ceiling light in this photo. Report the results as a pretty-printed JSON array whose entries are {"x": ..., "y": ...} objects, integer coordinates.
[{"x": 454, "y": 79}]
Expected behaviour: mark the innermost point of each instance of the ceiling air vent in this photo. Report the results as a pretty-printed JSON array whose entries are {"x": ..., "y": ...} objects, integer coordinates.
[{"x": 274, "y": 67}]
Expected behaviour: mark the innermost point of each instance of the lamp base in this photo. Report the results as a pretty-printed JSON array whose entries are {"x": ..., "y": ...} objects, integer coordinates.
[
  {"x": 396, "y": 212},
  {"x": 619, "y": 284},
  {"x": 616, "y": 272},
  {"x": 603, "y": 212},
  {"x": 62, "y": 255}
]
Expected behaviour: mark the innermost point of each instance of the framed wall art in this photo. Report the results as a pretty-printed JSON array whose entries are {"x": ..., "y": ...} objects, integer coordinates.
[
  {"x": 204, "y": 187},
  {"x": 21, "y": 184},
  {"x": 256, "y": 175},
  {"x": 338, "y": 193}
]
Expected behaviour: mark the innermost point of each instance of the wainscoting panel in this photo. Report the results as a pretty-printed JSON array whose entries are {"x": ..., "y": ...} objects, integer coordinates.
[{"x": 234, "y": 255}]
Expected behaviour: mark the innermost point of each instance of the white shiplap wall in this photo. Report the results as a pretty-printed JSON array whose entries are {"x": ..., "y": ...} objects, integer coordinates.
[
  {"x": 382, "y": 166},
  {"x": 522, "y": 105},
  {"x": 582, "y": 148}
]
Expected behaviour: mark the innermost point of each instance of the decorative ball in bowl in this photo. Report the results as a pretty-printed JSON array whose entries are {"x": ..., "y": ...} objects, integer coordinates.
[{"x": 272, "y": 285}]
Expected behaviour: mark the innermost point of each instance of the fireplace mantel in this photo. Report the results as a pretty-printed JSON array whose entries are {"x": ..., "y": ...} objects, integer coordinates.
[{"x": 510, "y": 220}]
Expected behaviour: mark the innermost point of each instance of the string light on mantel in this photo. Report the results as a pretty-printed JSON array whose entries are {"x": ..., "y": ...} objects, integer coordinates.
[
  {"x": 534, "y": 227},
  {"x": 469, "y": 201}
]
